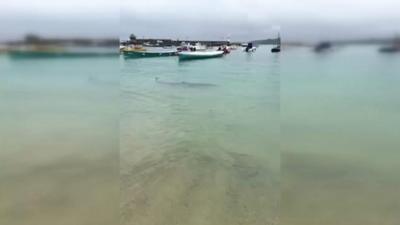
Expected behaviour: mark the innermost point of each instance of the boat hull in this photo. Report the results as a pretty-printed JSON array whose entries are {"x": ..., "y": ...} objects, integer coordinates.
[
  {"x": 276, "y": 49},
  {"x": 199, "y": 55},
  {"x": 145, "y": 54},
  {"x": 389, "y": 49}
]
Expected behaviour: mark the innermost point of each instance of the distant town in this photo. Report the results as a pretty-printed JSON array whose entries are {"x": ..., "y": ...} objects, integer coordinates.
[{"x": 170, "y": 42}]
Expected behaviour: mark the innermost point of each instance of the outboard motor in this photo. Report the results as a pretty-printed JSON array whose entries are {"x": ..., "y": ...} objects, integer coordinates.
[{"x": 249, "y": 46}]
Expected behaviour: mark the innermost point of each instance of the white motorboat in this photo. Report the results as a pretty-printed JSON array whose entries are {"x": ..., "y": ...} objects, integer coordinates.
[{"x": 199, "y": 55}]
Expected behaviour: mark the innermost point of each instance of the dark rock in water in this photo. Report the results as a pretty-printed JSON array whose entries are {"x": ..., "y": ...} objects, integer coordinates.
[{"x": 323, "y": 46}]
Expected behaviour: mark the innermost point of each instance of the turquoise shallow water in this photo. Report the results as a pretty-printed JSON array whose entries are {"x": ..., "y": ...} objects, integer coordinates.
[
  {"x": 195, "y": 154},
  {"x": 293, "y": 138},
  {"x": 59, "y": 141},
  {"x": 340, "y": 117}
]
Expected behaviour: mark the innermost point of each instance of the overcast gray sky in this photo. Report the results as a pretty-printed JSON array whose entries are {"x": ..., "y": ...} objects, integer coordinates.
[
  {"x": 305, "y": 20},
  {"x": 59, "y": 18}
]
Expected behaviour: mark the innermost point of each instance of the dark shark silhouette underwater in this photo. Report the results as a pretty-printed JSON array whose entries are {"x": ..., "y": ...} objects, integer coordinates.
[{"x": 185, "y": 84}]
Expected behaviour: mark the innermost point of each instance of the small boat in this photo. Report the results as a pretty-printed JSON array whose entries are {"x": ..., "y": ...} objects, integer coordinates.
[
  {"x": 278, "y": 46},
  {"x": 147, "y": 54},
  {"x": 250, "y": 48},
  {"x": 200, "y": 55},
  {"x": 276, "y": 49},
  {"x": 323, "y": 46},
  {"x": 390, "y": 49}
]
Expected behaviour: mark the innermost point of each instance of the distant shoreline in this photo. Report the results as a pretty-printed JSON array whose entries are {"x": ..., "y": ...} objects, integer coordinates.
[
  {"x": 78, "y": 42},
  {"x": 111, "y": 42}
]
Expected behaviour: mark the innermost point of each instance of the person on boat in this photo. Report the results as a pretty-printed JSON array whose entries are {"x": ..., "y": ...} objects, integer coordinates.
[{"x": 225, "y": 50}]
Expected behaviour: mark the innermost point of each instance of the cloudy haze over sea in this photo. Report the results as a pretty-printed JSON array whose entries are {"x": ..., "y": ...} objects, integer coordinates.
[{"x": 308, "y": 20}]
